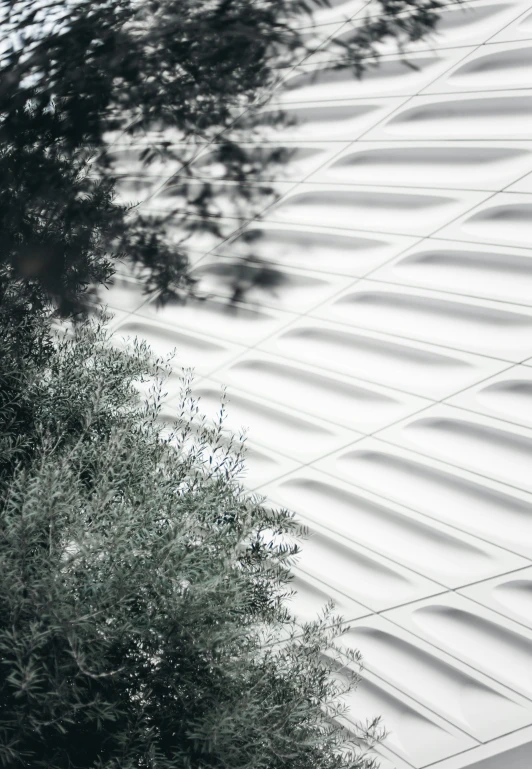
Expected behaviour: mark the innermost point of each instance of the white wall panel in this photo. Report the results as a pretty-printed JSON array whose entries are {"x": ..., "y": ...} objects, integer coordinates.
[{"x": 386, "y": 382}]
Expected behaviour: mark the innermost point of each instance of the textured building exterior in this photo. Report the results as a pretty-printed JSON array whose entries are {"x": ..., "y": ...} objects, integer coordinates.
[{"x": 387, "y": 383}]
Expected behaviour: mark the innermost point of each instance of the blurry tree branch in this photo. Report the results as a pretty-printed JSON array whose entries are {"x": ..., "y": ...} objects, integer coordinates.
[{"x": 82, "y": 81}]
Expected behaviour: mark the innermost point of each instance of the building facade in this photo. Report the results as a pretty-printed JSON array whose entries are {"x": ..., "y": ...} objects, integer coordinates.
[{"x": 387, "y": 379}]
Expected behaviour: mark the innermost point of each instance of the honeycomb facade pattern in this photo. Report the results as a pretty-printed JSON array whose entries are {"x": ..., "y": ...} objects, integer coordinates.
[{"x": 387, "y": 383}]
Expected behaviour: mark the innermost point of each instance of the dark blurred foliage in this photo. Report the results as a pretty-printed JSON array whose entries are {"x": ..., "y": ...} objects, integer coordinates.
[{"x": 161, "y": 78}]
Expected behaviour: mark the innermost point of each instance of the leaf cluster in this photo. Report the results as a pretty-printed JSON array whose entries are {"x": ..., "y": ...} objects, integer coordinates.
[
  {"x": 83, "y": 82},
  {"x": 143, "y": 615}
]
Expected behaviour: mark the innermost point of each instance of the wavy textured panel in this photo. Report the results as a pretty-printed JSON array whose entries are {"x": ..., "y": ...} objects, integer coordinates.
[
  {"x": 474, "y": 116},
  {"x": 394, "y": 76},
  {"x": 303, "y": 160},
  {"x": 341, "y": 400},
  {"x": 410, "y": 212},
  {"x": 509, "y": 595},
  {"x": 324, "y": 251},
  {"x": 293, "y": 290},
  {"x": 461, "y": 500},
  {"x": 311, "y": 595},
  {"x": 506, "y": 219},
  {"x": 295, "y": 435},
  {"x": 486, "y": 166},
  {"x": 438, "y": 552},
  {"x": 507, "y": 396},
  {"x": 481, "y": 271},
  {"x": 436, "y": 680},
  {"x": 386, "y": 377},
  {"x": 335, "y": 121},
  {"x": 360, "y": 574},
  {"x": 475, "y": 22},
  {"x": 215, "y": 318},
  {"x": 192, "y": 349},
  {"x": 416, "y": 734},
  {"x": 481, "y": 328},
  {"x": 516, "y": 596},
  {"x": 484, "y": 639},
  {"x": 426, "y": 371},
  {"x": 485, "y": 447},
  {"x": 509, "y": 68}
]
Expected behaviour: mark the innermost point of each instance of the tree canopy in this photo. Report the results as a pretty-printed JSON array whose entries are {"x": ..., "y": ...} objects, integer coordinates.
[{"x": 160, "y": 80}]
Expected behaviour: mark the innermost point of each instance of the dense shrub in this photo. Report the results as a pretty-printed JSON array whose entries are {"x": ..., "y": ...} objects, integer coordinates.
[{"x": 142, "y": 620}]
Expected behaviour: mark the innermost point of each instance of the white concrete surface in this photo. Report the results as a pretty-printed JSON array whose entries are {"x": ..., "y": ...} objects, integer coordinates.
[{"x": 387, "y": 385}]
